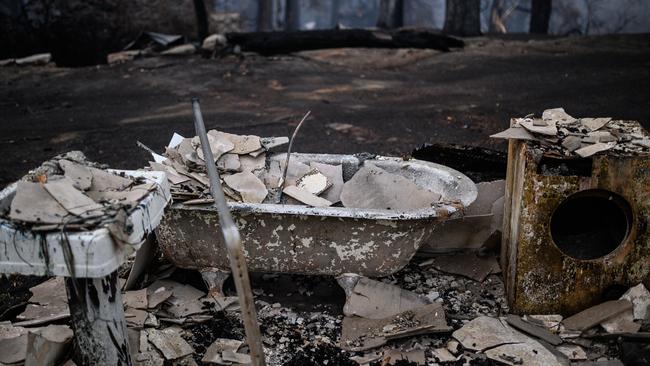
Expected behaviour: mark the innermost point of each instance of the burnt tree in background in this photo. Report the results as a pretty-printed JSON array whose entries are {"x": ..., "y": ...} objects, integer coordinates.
[
  {"x": 292, "y": 15},
  {"x": 463, "y": 17},
  {"x": 391, "y": 14},
  {"x": 265, "y": 15},
  {"x": 201, "y": 19},
  {"x": 540, "y": 14}
]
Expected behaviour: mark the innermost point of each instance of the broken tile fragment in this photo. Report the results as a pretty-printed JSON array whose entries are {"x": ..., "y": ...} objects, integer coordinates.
[
  {"x": 374, "y": 188},
  {"x": 72, "y": 199},
  {"x": 443, "y": 355},
  {"x": 621, "y": 323},
  {"x": 157, "y": 297},
  {"x": 229, "y": 162},
  {"x": 79, "y": 174},
  {"x": 172, "y": 175},
  {"x": 640, "y": 298},
  {"x": 468, "y": 265},
  {"x": 243, "y": 144},
  {"x": 248, "y": 185},
  {"x": 596, "y": 314},
  {"x": 359, "y": 334},
  {"x": 533, "y": 330},
  {"x": 594, "y": 149},
  {"x": 573, "y": 352},
  {"x": 572, "y": 143},
  {"x": 395, "y": 356},
  {"x": 305, "y": 197},
  {"x": 252, "y": 164},
  {"x": 32, "y": 203},
  {"x": 135, "y": 318},
  {"x": 213, "y": 353},
  {"x": 314, "y": 182},
  {"x": 533, "y": 354},
  {"x": 181, "y": 292},
  {"x": 378, "y": 300},
  {"x": 549, "y": 321},
  {"x": 48, "y": 346},
  {"x": 13, "y": 344},
  {"x": 485, "y": 332},
  {"x": 548, "y": 129},
  {"x": 237, "y": 358},
  {"x": 334, "y": 174},
  {"x": 169, "y": 342},
  {"x": 48, "y": 303},
  {"x": 514, "y": 133},
  {"x": 557, "y": 115},
  {"x": 269, "y": 143},
  {"x": 135, "y": 299},
  {"x": 106, "y": 181},
  {"x": 594, "y": 124}
]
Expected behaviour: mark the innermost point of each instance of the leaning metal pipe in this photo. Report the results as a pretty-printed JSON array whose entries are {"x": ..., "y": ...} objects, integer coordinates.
[{"x": 233, "y": 244}]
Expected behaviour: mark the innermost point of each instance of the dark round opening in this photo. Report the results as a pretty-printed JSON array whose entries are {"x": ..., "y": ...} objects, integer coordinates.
[{"x": 591, "y": 224}]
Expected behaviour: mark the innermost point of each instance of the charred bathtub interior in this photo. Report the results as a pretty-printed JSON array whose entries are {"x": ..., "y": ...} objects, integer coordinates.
[{"x": 591, "y": 224}]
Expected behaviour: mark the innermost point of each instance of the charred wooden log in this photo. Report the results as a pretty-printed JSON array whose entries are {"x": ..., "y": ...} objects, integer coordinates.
[{"x": 273, "y": 43}]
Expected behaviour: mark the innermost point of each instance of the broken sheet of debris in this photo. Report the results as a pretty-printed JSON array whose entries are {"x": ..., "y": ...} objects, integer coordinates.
[
  {"x": 419, "y": 315},
  {"x": 69, "y": 191},
  {"x": 565, "y": 136},
  {"x": 249, "y": 175}
]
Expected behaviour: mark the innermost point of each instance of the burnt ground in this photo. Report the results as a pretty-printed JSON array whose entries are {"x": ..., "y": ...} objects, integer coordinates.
[{"x": 395, "y": 99}]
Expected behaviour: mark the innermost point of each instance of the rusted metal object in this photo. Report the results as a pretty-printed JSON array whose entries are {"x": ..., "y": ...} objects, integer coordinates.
[
  {"x": 233, "y": 244},
  {"x": 327, "y": 241},
  {"x": 550, "y": 262}
]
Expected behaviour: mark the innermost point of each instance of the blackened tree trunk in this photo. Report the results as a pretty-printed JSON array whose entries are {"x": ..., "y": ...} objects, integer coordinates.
[
  {"x": 391, "y": 14},
  {"x": 265, "y": 15},
  {"x": 463, "y": 18},
  {"x": 292, "y": 15},
  {"x": 201, "y": 19},
  {"x": 540, "y": 14}
]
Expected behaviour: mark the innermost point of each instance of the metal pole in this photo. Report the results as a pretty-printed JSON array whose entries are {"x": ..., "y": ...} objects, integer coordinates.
[{"x": 233, "y": 245}]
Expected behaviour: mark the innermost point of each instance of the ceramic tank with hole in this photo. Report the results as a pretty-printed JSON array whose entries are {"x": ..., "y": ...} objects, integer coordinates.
[
  {"x": 577, "y": 235},
  {"x": 325, "y": 241}
]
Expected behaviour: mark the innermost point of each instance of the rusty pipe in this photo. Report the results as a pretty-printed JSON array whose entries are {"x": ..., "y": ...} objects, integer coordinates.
[{"x": 233, "y": 244}]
